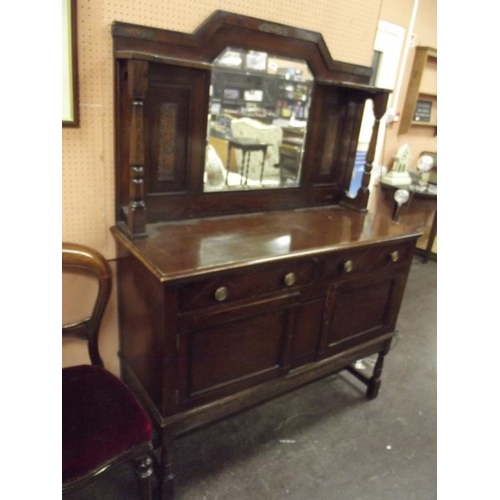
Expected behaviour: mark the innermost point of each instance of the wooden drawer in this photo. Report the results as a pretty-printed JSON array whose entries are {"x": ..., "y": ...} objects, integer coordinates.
[
  {"x": 370, "y": 259},
  {"x": 247, "y": 284}
]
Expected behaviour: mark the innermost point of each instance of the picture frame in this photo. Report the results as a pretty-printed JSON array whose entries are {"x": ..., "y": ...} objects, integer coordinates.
[
  {"x": 70, "y": 105},
  {"x": 253, "y": 95},
  {"x": 230, "y": 93},
  {"x": 423, "y": 111},
  {"x": 256, "y": 61}
]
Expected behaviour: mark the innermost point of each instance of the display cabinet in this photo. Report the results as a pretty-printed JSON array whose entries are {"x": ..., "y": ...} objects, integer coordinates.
[{"x": 232, "y": 293}]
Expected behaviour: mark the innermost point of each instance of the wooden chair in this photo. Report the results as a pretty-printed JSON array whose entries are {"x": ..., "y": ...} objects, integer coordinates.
[{"x": 103, "y": 424}]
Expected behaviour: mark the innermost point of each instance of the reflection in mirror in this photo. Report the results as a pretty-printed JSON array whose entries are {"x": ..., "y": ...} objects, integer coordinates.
[{"x": 259, "y": 105}]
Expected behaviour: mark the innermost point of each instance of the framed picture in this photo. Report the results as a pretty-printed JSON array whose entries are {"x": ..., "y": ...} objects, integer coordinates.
[
  {"x": 253, "y": 95},
  {"x": 231, "y": 94},
  {"x": 70, "y": 115},
  {"x": 256, "y": 61},
  {"x": 423, "y": 111}
]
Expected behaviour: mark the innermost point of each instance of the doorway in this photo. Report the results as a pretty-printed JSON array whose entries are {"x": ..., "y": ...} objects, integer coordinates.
[{"x": 387, "y": 52}]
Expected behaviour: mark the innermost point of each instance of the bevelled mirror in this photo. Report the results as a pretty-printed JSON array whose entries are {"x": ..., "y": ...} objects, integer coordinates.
[{"x": 257, "y": 121}]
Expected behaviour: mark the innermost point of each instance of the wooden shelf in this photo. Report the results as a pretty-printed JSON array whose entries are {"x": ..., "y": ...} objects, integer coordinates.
[
  {"x": 427, "y": 94},
  {"x": 423, "y": 124},
  {"x": 425, "y": 59}
]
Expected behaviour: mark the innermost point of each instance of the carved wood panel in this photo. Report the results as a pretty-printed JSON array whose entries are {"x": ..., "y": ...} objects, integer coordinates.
[
  {"x": 175, "y": 118},
  {"x": 166, "y": 128}
]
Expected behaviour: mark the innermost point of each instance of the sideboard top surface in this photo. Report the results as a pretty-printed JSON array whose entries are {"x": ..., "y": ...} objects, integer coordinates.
[{"x": 176, "y": 250}]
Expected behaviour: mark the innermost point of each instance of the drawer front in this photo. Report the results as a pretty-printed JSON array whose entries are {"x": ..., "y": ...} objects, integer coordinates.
[
  {"x": 367, "y": 260},
  {"x": 238, "y": 285}
]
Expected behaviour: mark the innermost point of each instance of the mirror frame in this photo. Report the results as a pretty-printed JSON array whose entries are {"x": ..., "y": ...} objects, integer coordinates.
[{"x": 157, "y": 68}]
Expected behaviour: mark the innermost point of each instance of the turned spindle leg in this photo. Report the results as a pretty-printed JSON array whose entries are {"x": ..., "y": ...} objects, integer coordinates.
[
  {"x": 144, "y": 473},
  {"x": 374, "y": 382}
]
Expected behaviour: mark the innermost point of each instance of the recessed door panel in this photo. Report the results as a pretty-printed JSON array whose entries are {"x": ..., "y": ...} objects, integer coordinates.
[
  {"x": 362, "y": 310},
  {"x": 234, "y": 351},
  {"x": 228, "y": 352}
]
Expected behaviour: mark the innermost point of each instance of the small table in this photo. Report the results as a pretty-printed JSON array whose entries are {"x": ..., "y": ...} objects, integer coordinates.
[
  {"x": 417, "y": 197},
  {"x": 246, "y": 146}
]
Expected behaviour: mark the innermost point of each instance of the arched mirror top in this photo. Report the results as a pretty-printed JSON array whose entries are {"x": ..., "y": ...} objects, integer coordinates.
[{"x": 227, "y": 29}]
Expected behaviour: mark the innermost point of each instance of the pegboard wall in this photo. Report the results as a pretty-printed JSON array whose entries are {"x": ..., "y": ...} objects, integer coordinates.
[{"x": 348, "y": 27}]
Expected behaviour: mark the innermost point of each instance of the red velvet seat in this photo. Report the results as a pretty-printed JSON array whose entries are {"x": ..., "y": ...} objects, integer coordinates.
[{"x": 102, "y": 422}]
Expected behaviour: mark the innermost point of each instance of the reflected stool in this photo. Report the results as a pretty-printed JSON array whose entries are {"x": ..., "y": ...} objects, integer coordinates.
[{"x": 246, "y": 146}]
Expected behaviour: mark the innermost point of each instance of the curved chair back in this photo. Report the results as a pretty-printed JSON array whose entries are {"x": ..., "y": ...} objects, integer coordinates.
[{"x": 81, "y": 257}]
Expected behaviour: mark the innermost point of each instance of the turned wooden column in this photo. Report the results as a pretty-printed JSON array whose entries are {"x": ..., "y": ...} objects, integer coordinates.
[
  {"x": 360, "y": 201},
  {"x": 379, "y": 107},
  {"x": 374, "y": 382},
  {"x": 137, "y": 88}
]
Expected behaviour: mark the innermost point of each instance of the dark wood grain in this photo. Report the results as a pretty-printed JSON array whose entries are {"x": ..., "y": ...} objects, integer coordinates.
[
  {"x": 233, "y": 298},
  {"x": 265, "y": 336},
  {"x": 226, "y": 29},
  {"x": 176, "y": 250},
  {"x": 137, "y": 90}
]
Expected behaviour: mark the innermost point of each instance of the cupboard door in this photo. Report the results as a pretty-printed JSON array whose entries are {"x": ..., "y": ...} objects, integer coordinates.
[
  {"x": 224, "y": 353},
  {"x": 363, "y": 309}
]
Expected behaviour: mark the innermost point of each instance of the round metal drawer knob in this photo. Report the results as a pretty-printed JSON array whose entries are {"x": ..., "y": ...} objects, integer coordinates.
[
  {"x": 221, "y": 294},
  {"x": 348, "y": 266},
  {"x": 394, "y": 256},
  {"x": 290, "y": 279}
]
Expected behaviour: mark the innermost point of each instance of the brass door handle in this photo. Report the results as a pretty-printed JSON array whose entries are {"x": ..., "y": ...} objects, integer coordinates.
[
  {"x": 348, "y": 266},
  {"x": 290, "y": 279},
  {"x": 221, "y": 294},
  {"x": 394, "y": 256}
]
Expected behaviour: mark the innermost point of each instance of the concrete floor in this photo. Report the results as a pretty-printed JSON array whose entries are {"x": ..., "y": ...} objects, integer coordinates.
[{"x": 325, "y": 441}]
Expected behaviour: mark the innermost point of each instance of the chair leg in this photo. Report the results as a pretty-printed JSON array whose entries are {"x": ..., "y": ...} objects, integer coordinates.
[
  {"x": 144, "y": 473},
  {"x": 166, "y": 473}
]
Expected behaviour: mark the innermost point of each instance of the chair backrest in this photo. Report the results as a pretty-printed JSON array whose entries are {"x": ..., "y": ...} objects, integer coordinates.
[{"x": 89, "y": 260}]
